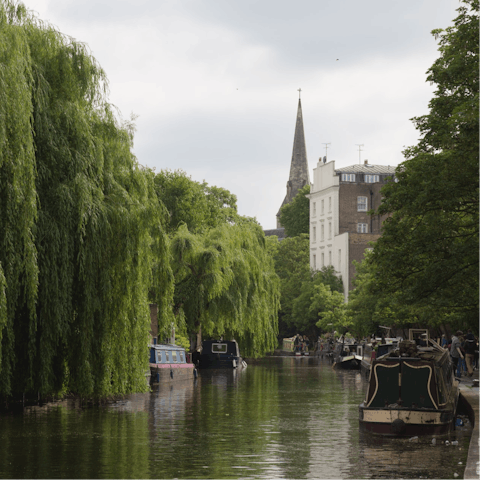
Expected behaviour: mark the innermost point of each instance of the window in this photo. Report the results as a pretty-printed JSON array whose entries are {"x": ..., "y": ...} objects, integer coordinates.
[
  {"x": 371, "y": 178},
  {"x": 362, "y": 228},
  {"x": 330, "y": 258},
  {"x": 339, "y": 259},
  {"x": 314, "y": 262},
  {"x": 167, "y": 357},
  {"x": 329, "y": 204},
  {"x": 314, "y": 234},
  {"x": 330, "y": 230},
  {"x": 182, "y": 358},
  {"x": 323, "y": 232},
  {"x": 323, "y": 206},
  {"x": 323, "y": 259},
  {"x": 219, "y": 348},
  {"x": 348, "y": 177},
  {"x": 362, "y": 204},
  {"x": 314, "y": 208},
  {"x": 174, "y": 357}
]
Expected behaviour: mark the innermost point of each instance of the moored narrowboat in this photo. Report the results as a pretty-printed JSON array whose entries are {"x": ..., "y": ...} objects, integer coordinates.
[
  {"x": 220, "y": 354},
  {"x": 412, "y": 390},
  {"x": 347, "y": 356},
  {"x": 168, "y": 363}
]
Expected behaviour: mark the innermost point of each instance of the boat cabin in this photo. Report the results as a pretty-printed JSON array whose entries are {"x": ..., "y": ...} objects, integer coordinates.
[
  {"x": 169, "y": 363},
  {"x": 220, "y": 354}
]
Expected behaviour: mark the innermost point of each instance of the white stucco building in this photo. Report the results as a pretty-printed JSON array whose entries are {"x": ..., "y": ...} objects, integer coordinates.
[{"x": 340, "y": 228}]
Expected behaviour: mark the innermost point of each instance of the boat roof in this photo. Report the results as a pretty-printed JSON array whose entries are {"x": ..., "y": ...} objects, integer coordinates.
[
  {"x": 167, "y": 346},
  {"x": 434, "y": 352}
]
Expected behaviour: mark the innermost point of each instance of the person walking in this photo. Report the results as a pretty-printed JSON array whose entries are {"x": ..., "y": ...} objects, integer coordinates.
[
  {"x": 469, "y": 352},
  {"x": 455, "y": 350}
]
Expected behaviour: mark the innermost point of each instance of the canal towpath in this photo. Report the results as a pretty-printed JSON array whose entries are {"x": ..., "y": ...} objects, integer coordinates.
[{"x": 470, "y": 391}]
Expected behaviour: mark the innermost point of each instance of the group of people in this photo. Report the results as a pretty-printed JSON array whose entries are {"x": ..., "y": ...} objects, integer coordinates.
[
  {"x": 464, "y": 352},
  {"x": 301, "y": 343}
]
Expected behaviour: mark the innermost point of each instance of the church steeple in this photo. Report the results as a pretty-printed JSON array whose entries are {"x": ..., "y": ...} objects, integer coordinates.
[{"x": 299, "y": 176}]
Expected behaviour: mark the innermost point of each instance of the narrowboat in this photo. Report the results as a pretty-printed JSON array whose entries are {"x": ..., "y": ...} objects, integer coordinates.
[
  {"x": 168, "y": 364},
  {"x": 347, "y": 356},
  {"x": 220, "y": 354},
  {"x": 412, "y": 390}
]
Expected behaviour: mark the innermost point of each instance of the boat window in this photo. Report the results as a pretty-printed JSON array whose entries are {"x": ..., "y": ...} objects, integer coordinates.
[
  {"x": 167, "y": 357},
  {"x": 174, "y": 357},
  {"x": 159, "y": 357},
  {"x": 219, "y": 348},
  {"x": 182, "y": 358}
]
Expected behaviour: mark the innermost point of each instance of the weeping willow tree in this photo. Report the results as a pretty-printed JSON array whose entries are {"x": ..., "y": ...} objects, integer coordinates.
[
  {"x": 80, "y": 223},
  {"x": 226, "y": 285}
]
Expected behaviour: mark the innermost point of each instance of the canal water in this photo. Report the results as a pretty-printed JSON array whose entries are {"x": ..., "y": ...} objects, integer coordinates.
[{"x": 282, "y": 417}]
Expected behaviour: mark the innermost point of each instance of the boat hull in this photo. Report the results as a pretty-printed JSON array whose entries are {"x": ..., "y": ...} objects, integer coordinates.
[
  {"x": 406, "y": 422},
  {"x": 171, "y": 373},
  {"x": 348, "y": 363},
  {"x": 215, "y": 361}
]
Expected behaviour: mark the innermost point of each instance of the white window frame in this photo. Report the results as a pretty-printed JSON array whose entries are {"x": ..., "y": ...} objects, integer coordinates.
[
  {"x": 362, "y": 204},
  {"x": 348, "y": 177},
  {"x": 219, "y": 348},
  {"x": 372, "y": 178},
  {"x": 362, "y": 227}
]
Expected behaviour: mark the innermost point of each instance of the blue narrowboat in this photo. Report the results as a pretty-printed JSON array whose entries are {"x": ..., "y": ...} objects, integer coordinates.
[{"x": 168, "y": 363}]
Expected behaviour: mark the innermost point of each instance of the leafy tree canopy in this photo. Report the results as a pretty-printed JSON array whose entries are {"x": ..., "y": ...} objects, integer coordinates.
[
  {"x": 198, "y": 205},
  {"x": 428, "y": 254},
  {"x": 226, "y": 285},
  {"x": 318, "y": 293},
  {"x": 291, "y": 258},
  {"x": 295, "y": 216}
]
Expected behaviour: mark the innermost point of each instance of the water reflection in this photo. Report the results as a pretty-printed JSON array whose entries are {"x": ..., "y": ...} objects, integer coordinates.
[{"x": 280, "y": 418}]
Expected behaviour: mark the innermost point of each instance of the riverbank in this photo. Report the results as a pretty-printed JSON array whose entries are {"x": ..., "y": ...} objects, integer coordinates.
[{"x": 470, "y": 392}]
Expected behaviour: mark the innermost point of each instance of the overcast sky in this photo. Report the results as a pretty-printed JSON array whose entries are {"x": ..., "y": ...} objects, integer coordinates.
[{"x": 214, "y": 82}]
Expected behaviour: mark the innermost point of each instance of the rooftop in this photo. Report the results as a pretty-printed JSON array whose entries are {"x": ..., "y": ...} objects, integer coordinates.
[{"x": 367, "y": 168}]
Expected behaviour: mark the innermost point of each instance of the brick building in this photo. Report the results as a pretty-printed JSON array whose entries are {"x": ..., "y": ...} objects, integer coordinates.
[{"x": 340, "y": 228}]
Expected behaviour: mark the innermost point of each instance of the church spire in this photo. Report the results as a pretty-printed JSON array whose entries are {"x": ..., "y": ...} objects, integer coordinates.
[{"x": 299, "y": 176}]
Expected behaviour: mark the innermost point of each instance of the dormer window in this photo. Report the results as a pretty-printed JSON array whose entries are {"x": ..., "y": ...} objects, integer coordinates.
[
  {"x": 348, "y": 177},
  {"x": 372, "y": 178}
]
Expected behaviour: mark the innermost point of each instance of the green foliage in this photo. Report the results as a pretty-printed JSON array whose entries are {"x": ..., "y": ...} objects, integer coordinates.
[
  {"x": 225, "y": 285},
  {"x": 198, "y": 205},
  {"x": 292, "y": 266},
  {"x": 301, "y": 288},
  {"x": 295, "y": 216},
  {"x": 321, "y": 295},
  {"x": 427, "y": 257},
  {"x": 80, "y": 223},
  {"x": 331, "y": 309}
]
